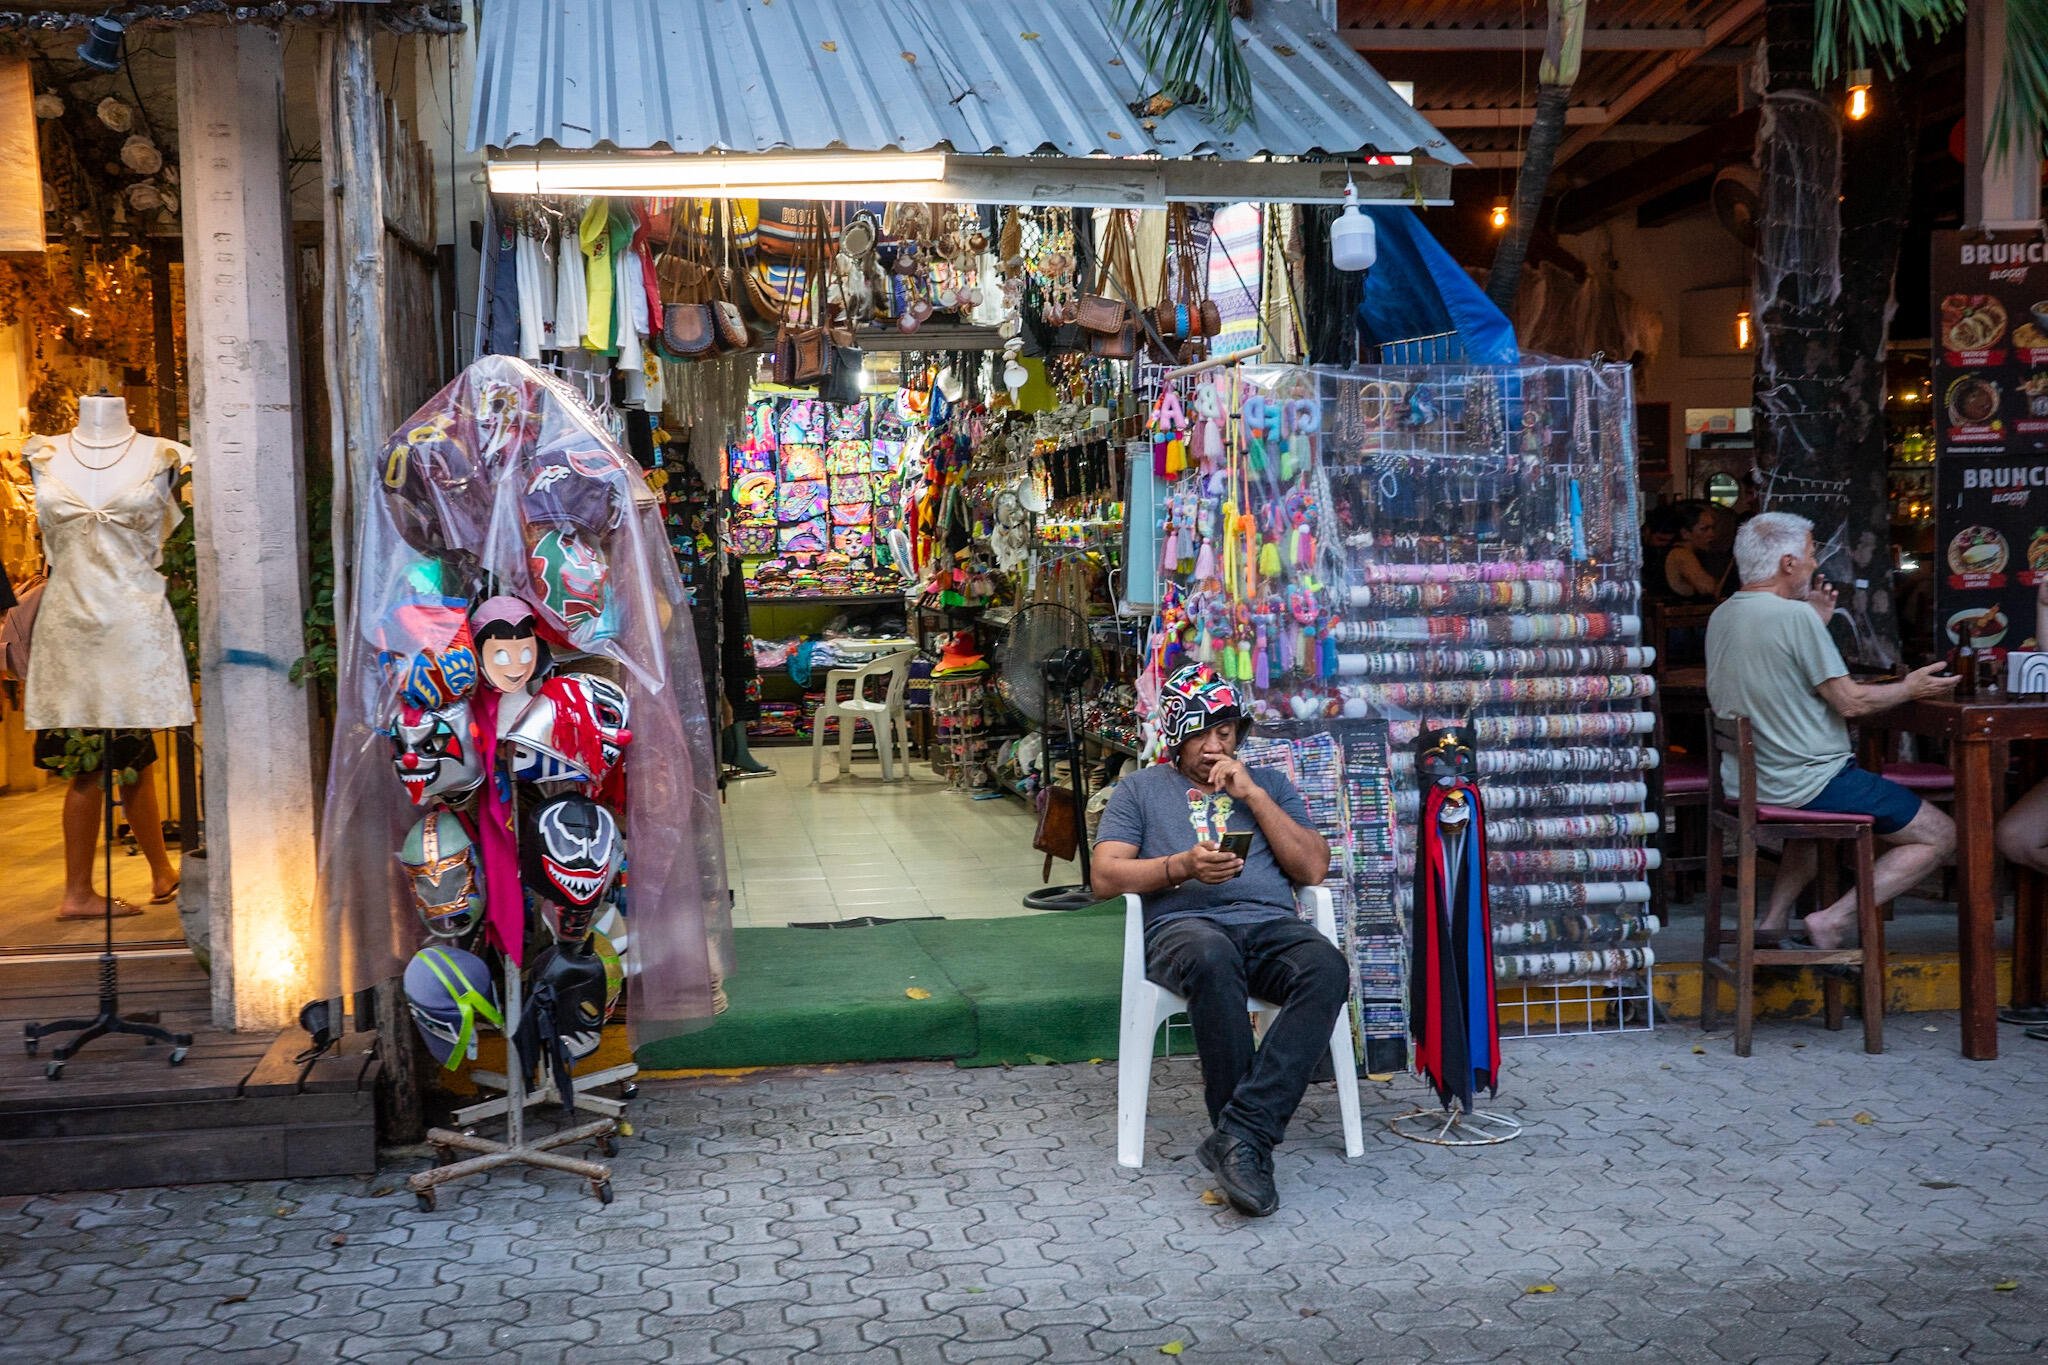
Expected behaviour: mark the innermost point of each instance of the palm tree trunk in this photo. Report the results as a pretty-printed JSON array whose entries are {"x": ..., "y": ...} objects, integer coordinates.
[
  {"x": 1819, "y": 386},
  {"x": 1546, "y": 132},
  {"x": 1562, "y": 46}
]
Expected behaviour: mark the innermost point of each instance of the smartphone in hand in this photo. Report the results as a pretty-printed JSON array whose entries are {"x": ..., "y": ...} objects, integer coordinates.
[{"x": 1237, "y": 842}]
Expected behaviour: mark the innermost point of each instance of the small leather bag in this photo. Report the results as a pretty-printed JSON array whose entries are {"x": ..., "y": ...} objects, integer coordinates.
[
  {"x": 689, "y": 327},
  {"x": 1100, "y": 312}
]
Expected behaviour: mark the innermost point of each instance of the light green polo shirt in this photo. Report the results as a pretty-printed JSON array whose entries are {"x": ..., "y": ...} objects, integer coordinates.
[{"x": 1765, "y": 656}]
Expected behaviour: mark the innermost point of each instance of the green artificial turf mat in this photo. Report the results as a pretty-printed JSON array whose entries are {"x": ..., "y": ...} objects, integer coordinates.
[
  {"x": 803, "y": 996},
  {"x": 1043, "y": 987}
]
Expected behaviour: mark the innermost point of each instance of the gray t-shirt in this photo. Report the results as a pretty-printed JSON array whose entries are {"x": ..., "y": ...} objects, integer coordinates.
[
  {"x": 1765, "y": 656},
  {"x": 1162, "y": 813}
]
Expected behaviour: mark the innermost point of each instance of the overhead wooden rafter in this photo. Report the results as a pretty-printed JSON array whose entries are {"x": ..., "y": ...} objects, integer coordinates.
[
  {"x": 1518, "y": 39},
  {"x": 1719, "y": 30}
]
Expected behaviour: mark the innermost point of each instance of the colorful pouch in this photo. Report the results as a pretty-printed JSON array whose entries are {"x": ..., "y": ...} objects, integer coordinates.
[
  {"x": 884, "y": 456},
  {"x": 800, "y": 501},
  {"x": 754, "y": 540},
  {"x": 853, "y": 514},
  {"x": 803, "y": 537},
  {"x": 753, "y": 458},
  {"x": 850, "y": 422},
  {"x": 853, "y": 488},
  {"x": 802, "y": 462},
  {"x": 803, "y": 422},
  {"x": 853, "y": 540}
]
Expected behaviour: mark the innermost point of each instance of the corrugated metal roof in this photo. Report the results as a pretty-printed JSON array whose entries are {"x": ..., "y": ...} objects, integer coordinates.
[{"x": 987, "y": 77}]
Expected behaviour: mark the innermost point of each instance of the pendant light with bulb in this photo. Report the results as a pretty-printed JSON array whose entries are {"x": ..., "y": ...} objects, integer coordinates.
[{"x": 1354, "y": 241}]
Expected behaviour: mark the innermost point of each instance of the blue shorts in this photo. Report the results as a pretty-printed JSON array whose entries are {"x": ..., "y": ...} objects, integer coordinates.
[{"x": 1857, "y": 791}]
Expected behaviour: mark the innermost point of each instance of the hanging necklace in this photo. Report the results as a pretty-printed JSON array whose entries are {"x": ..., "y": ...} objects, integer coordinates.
[{"x": 76, "y": 444}]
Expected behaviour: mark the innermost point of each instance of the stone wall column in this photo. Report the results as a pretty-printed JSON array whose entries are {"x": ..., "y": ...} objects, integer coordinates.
[{"x": 248, "y": 495}]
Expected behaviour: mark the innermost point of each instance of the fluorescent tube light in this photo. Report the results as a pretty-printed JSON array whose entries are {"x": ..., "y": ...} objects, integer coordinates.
[{"x": 850, "y": 175}]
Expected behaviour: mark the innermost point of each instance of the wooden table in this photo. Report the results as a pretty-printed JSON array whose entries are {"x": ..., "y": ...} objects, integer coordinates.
[{"x": 1972, "y": 729}]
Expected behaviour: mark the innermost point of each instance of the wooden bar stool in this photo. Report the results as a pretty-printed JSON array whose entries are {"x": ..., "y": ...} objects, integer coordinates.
[{"x": 1742, "y": 815}]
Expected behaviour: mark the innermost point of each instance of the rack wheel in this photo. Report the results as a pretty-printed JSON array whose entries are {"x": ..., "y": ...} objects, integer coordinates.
[
  {"x": 30, "y": 1044},
  {"x": 444, "y": 1156},
  {"x": 177, "y": 1057},
  {"x": 607, "y": 1147},
  {"x": 426, "y": 1200},
  {"x": 630, "y": 1090},
  {"x": 53, "y": 1071},
  {"x": 603, "y": 1190}
]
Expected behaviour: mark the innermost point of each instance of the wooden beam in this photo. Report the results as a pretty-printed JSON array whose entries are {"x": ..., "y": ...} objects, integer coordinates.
[
  {"x": 1578, "y": 116},
  {"x": 1724, "y": 26},
  {"x": 1660, "y": 172},
  {"x": 1518, "y": 39}
]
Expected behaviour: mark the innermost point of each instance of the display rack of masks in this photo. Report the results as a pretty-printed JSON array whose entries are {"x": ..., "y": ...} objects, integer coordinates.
[
  {"x": 521, "y": 766},
  {"x": 1375, "y": 552}
]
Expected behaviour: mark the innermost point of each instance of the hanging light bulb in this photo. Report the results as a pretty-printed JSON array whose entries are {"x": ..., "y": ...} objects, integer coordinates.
[
  {"x": 1742, "y": 335},
  {"x": 1500, "y": 214},
  {"x": 1354, "y": 241},
  {"x": 1859, "y": 95}
]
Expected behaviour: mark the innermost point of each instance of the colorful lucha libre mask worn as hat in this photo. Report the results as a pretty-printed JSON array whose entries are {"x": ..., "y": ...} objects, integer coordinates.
[
  {"x": 1196, "y": 698},
  {"x": 612, "y": 712},
  {"x": 572, "y": 579},
  {"x": 444, "y": 676},
  {"x": 580, "y": 489},
  {"x": 569, "y": 852},
  {"x": 440, "y": 497},
  {"x": 441, "y": 859},
  {"x": 450, "y": 992},
  {"x": 435, "y": 752}
]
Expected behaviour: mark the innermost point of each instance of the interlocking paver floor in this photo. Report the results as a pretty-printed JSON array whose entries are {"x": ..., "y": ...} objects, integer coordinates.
[{"x": 1810, "y": 1203}]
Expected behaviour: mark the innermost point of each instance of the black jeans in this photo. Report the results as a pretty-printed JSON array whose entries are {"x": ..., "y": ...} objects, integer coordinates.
[{"x": 1252, "y": 1092}]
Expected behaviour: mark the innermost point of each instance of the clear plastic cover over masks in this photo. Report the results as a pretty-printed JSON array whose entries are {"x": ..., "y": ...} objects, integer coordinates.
[{"x": 504, "y": 484}]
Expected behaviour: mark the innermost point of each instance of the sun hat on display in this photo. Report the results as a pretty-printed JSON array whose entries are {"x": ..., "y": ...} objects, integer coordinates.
[{"x": 1196, "y": 698}]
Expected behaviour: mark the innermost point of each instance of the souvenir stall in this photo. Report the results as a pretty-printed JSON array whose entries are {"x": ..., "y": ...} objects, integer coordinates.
[
  {"x": 521, "y": 813},
  {"x": 1426, "y": 578}
]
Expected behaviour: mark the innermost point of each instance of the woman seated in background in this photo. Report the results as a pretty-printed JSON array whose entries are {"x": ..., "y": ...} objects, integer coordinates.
[
  {"x": 1660, "y": 534},
  {"x": 1686, "y": 575}
]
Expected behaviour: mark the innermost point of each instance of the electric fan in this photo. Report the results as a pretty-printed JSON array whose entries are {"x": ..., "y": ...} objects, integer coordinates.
[{"x": 1047, "y": 663}]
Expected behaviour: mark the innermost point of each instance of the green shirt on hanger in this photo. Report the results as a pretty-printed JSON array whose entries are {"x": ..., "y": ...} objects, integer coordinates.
[{"x": 594, "y": 233}]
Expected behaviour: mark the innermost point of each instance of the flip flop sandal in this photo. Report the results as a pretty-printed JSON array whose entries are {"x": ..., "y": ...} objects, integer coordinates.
[
  {"x": 122, "y": 910},
  {"x": 2024, "y": 1014},
  {"x": 167, "y": 897}
]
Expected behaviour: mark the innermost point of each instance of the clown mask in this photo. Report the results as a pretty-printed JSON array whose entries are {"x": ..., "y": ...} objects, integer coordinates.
[{"x": 435, "y": 752}]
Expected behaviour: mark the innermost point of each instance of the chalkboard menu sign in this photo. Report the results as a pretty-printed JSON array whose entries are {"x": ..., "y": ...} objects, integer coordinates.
[{"x": 1990, "y": 373}]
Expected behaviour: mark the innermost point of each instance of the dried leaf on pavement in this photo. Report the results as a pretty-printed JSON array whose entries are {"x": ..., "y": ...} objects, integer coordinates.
[{"x": 918, "y": 993}]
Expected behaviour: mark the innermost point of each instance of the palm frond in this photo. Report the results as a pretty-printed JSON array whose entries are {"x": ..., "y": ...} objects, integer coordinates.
[
  {"x": 1877, "y": 32},
  {"x": 1189, "y": 48},
  {"x": 2023, "y": 97}
]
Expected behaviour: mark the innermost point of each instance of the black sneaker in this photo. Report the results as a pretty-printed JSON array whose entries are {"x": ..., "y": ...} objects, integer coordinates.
[{"x": 1244, "y": 1172}]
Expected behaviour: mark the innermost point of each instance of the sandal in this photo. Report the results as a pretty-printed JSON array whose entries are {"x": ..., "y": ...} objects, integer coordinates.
[
  {"x": 167, "y": 897},
  {"x": 122, "y": 910}
]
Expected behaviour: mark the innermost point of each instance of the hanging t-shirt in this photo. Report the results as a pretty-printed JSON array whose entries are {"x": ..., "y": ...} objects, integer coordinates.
[
  {"x": 498, "y": 306},
  {"x": 571, "y": 292},
  {"x": 594, "y": 234},
  {"x": 536, "y": 274},
  {"x": 630, "y": 295}
]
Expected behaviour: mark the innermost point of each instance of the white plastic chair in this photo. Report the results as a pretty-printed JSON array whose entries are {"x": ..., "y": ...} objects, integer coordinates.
[
  {"x": 1147, "y": 1005},
  {"x": 885, "y": 716}
]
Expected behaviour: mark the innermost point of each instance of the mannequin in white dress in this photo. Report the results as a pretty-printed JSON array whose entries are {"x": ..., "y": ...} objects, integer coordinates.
[{"x": 109, "y": 659}]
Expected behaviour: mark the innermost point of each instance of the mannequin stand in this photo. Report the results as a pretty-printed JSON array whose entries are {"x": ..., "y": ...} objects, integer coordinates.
[
  {"x": 108, "y": 1020},
  {"x": 515, "y": 1150}
]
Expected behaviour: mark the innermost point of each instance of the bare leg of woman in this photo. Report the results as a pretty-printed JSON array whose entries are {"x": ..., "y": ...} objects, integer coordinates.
[
  {"x": 2023, "y": 834},
  {"x": 84, "y": 821},
  {"x": 145, "y": 817}
]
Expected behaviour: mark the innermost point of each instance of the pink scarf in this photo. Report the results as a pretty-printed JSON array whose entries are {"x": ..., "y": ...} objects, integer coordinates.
[{"x": 504, "y": 905}]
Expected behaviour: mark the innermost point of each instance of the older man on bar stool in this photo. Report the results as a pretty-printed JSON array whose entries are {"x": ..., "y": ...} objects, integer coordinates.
[{"x": 1769, "y": 657}]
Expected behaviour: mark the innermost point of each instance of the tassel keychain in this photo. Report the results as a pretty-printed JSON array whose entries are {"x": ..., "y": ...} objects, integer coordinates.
[
  {"x": 1328, "y": 643},
  {"x": 1262, "y": 677},
  {"x": 1205, "y": 563}
]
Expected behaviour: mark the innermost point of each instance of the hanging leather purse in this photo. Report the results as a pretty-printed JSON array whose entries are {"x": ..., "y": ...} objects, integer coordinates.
[
  {"x": 1059, "y": 827},
  {"x": 1122, "y": 344},
  {"x": 814, "y": 353},
  {"x": 689, "y": 328},
  {"x": 1099, "y": 313},
  {"x": 725, "y": 311}
]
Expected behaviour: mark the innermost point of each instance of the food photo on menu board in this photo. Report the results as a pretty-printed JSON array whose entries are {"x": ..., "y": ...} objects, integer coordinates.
[
  {"x": 1991, "y": 342},
  {"x": 1993, "y": 524}
]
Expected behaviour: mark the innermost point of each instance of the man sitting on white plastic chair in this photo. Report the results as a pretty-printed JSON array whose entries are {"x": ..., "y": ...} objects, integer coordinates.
[{"x": 1220, "y": 925}]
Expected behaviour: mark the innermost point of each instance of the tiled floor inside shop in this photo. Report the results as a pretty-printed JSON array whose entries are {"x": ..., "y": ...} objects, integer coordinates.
[
  {"x": 856, "y": 846},
  {"x": 32, "y": 854}
]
